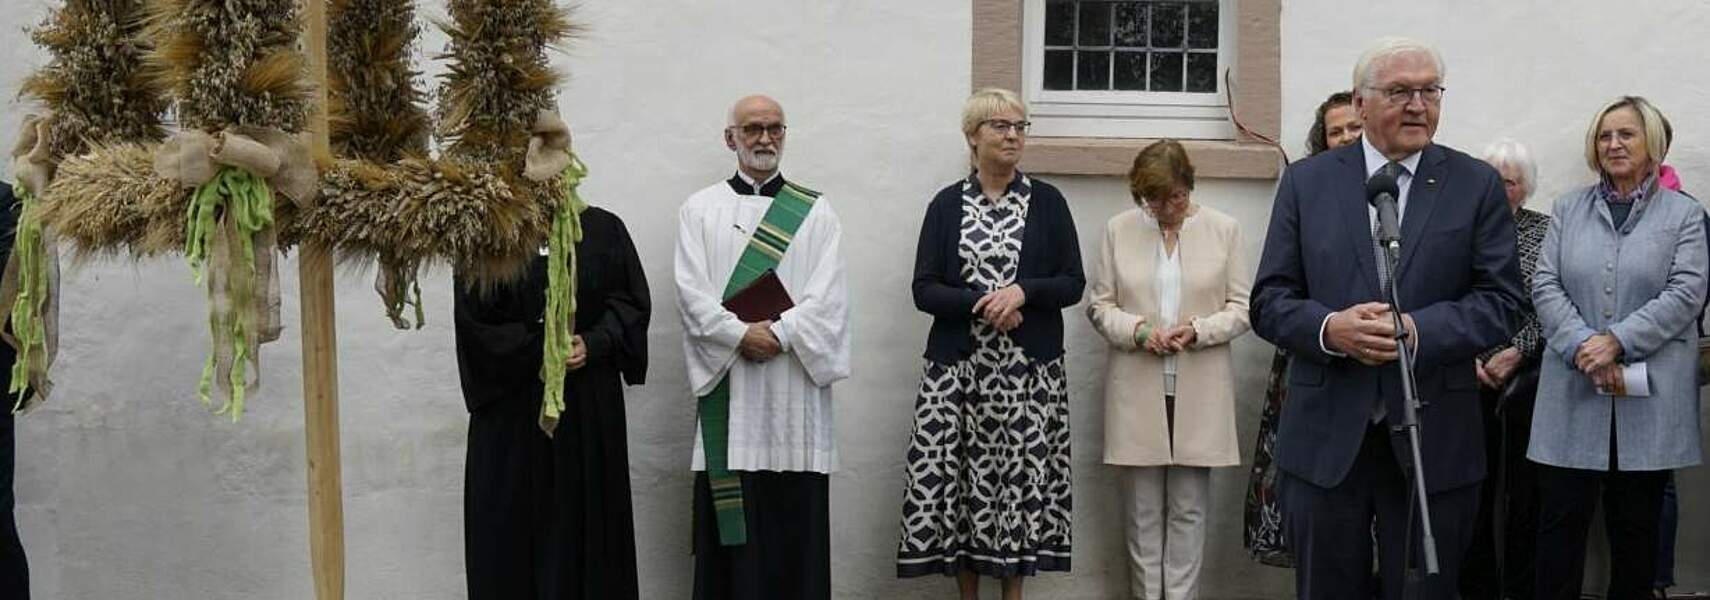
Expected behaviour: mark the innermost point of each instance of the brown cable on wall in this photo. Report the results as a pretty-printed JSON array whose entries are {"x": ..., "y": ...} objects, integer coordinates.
[{"x": 1229, "y": 95}]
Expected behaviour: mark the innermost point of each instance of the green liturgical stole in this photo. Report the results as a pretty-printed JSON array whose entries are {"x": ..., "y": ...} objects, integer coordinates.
[{"x": 765, "y": 250}]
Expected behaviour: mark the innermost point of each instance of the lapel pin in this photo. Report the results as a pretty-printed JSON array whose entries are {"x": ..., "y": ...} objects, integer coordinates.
[{"x": 1431, "y": 182}]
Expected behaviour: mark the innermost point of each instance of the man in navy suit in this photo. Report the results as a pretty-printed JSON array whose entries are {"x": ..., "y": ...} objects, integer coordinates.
[{"x": 1319, "y": 293}]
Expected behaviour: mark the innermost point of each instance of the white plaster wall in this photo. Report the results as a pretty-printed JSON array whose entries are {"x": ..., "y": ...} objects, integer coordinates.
[{"x": 128, "y": 489}]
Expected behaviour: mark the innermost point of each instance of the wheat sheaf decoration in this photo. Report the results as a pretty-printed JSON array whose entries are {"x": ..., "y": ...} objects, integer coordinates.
[
  {"x": 504, "y": 184},
  {"x": 477, "y": 207},
  {"x": 233, "y": 184},
  {"x": 94, "y": 92},
  {"x": 241, "y": 93}
]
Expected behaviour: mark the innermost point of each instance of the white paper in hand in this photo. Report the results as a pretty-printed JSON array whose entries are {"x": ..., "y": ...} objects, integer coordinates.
[{"x": 1635, "y": 382}]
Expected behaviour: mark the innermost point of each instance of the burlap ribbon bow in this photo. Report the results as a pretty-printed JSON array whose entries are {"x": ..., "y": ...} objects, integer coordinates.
[
  {"x": 32, "y": 158},
  {"x": 548, "y": 148},
  {"x": 193, "y": 158},
  {"x": 29, "y": 288},
  {"x": 240, "y": 319}
]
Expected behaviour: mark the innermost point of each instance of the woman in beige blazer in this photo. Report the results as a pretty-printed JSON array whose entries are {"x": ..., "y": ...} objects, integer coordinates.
[{"x": 1169, "y": 294}]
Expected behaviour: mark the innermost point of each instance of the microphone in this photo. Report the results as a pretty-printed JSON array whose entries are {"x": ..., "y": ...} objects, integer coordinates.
[{"x": 1381, "y": 192}]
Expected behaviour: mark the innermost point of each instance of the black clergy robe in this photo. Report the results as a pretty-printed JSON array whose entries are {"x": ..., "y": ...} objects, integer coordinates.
[
  {"x": 14, "y": 569},
  {"x": 551, "y": 517}
]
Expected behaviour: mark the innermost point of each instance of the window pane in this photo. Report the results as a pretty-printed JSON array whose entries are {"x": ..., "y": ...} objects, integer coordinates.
[
  {"x": 1059, "y": 70},
  {"x": 1202, "y": 72},
  {"x": 1092, "y": 70},
  {"x": 1129, "y": 22},
  {"x": 1095, "y": 24},
  {"x": 1059, "y": 23},
  {"x": 1130, "y": 71},
  {"x": 1202, "y": 25},
  {"x": 1167, "y": 24},
  {"x": 1166, "y": 72}
]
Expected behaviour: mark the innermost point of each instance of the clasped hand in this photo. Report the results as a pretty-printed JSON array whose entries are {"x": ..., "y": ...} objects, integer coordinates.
[
  {"x": 1164, "y": 341},
  {"x": 758, "y": 343},
  {"x": 1002, "y": 307},
  {"x": 1596, "y": 358},
  {"x": 1366, "y": 333},
  {"x": 1495, "y": 371}
]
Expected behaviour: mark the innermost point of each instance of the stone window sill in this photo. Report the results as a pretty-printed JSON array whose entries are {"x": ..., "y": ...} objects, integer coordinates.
[{"x": 1113, "y": 156}]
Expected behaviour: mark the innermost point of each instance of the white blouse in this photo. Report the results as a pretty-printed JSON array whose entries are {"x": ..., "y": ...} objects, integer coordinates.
[{"x": 1169, "y": 304}]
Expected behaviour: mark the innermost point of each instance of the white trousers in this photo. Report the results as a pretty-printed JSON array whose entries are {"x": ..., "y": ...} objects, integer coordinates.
[{"x": 1165, "y": 514}]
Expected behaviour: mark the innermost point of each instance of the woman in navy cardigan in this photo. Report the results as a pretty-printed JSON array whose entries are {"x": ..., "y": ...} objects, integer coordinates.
[{"x": 988, "y": 486}]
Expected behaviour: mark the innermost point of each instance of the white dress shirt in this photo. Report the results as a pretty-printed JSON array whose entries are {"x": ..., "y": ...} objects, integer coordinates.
[{"x": 1376, "y": 160}]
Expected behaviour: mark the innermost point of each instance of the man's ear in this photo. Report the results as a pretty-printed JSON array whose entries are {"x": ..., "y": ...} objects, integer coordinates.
[{"x": 729, "y": 139}]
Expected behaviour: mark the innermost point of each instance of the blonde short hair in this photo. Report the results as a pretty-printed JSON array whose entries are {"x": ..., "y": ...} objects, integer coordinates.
[
  {"x": 1382, "y": 50},
  {"x": 985, "y": 103},
  {"x": 1507, "y": 152},
  {"x": 1656, "y": 127}
]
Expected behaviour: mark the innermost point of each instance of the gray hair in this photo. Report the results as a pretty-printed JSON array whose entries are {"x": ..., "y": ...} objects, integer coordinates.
[
  {"x": 1508, "y": 152},
  {"x": 1386, "y": 48}
]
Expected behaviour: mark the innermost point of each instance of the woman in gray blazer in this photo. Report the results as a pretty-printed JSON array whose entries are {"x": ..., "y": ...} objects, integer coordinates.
[{"x": 1618, "y": 287}]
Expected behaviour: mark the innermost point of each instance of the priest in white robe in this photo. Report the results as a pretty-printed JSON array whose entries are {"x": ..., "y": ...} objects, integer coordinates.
[{"x": 764, "y": 440}]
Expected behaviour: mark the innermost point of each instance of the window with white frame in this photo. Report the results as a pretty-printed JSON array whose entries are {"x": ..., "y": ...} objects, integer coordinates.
[{"x": 1128, "y": 68}]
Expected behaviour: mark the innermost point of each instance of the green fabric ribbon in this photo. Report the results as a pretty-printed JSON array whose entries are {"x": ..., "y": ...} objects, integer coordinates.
[
  {"x": 28, "y": 325},
  {"x": 560, "y": 315},
  {"x": 229, "y": 209},
  {"x": 400, "y": 288}
]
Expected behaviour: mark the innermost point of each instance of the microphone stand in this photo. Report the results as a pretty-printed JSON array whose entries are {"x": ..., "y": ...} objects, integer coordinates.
[{"x": 1410, "y": 423}]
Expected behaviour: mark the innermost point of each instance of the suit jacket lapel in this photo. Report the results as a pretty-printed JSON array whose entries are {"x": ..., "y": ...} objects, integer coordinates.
[
  {"x": 1351, "y": 204},
  {"x": 1421, "y": 202}
]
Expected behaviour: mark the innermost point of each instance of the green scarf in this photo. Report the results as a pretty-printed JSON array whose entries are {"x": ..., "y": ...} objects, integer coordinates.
[
  {"x": 27, "y": 309},
  {"x": 561, "y": 293}
]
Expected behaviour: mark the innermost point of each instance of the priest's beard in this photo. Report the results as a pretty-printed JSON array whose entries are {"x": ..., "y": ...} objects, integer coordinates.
[{"x": 761, "y": 161}]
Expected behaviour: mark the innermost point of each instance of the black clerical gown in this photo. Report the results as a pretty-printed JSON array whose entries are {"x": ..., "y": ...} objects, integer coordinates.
[
  {"x": 551, "y": 517},
  {"x": 14, "y": 571}
]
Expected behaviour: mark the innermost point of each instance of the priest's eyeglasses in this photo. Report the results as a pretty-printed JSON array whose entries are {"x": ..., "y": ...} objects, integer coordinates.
[
  {"x": 752, "y": 131},
  {"x": 1398, "y": 96},
  {"x": 1002, "y": 127}
]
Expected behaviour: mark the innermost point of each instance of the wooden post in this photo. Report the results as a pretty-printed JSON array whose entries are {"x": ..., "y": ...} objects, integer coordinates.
[{"x": 320, "y": 348}]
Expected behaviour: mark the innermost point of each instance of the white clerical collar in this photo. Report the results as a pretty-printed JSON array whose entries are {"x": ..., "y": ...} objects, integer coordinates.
[
  {"x": 750, "y": 180},
  {"x": 1376, "y": 160}
]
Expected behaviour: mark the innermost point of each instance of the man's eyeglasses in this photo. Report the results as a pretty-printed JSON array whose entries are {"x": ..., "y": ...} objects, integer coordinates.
[
  {"x": 752, "y": 131},
  {"x": 1430, "y": 94},
  {"x": 1003, "y": 127}
]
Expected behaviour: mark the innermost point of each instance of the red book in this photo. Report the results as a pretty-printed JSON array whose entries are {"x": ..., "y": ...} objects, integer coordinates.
[{"x": 764, "y": 299}]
